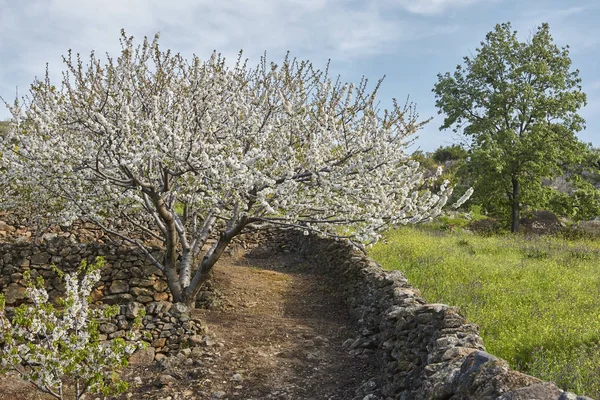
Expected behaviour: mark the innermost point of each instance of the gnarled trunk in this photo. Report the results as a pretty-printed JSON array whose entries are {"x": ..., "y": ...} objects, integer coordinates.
[{"x": 187, "y": 295}]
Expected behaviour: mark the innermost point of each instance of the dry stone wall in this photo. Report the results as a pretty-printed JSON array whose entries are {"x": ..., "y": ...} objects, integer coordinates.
[
  {"x": 427, "y": 351},
  {"x": 128, "y": 275},
  {"x": 128, "y": 280}
]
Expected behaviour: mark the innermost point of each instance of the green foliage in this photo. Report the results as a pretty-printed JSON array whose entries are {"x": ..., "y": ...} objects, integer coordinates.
[
  {"x": 449, "y": 153},
  {"x": 516, "y": 102},
  {"x": 427, "y": 163},
  {"x": 456, "y": 220},
  {"x": 582, "y": 204},
  {"x": 582, "y": 200},
  {"x": 449, "y": 222},
  {"x": 477, "y": 212},
  {"x": 3, "y": 128},
  {"x": 526, "y": 294}
]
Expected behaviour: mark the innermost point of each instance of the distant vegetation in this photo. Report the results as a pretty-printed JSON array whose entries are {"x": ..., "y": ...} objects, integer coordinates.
[
  {"x": 534, "y": 298},
  {"x": 3, "y": 128},
  {"x": 574, "y": 195}
]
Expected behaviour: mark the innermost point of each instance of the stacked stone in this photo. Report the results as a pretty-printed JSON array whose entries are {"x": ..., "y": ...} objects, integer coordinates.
[
  {"x": 128, "y": 275},
  {"x": 266, "y": 243},
  {"x": 166, "y": 327},
  {"x": 131, "y": 278},
  {"x": 9, "y": 231},
  {"x": 18, "y": 230},
  {"x": 128, "y": 280},
  {"x": 427, "y": 351}
]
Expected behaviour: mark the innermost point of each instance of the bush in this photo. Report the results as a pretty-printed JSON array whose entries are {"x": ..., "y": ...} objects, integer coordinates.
[
  {"x": 50, "y": 346},
  {"x": 449, "y": 153},
  {"x": 459, "y": 220},
  {"x": 485, "y": 226}
]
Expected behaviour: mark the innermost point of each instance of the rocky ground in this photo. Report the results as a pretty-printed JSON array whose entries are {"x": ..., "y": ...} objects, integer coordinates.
[{"x": 275, "y": 331}]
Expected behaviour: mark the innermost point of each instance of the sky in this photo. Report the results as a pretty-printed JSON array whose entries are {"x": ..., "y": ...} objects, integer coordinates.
[{"x": 408, "y": 41}]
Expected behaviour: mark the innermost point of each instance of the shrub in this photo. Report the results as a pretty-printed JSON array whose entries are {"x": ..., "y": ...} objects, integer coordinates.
[
  {"x": 50, "y": 346},
  {"x": 449, "y": 153},
  {"x": 485, "y": 227}
]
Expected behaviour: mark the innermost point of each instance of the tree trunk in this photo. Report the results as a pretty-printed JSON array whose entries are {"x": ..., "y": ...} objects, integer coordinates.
[
  {"x": 189, "y": 301},
  {"x": 516, "y": 208},
  {"x": 188, "y": 297}
]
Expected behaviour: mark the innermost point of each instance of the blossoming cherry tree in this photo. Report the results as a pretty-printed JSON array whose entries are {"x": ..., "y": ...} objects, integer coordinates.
[{"x": 181, "y": 150}]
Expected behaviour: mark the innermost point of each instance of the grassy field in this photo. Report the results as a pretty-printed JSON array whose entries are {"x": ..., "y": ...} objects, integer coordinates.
[{"x": 536, "y": 300}]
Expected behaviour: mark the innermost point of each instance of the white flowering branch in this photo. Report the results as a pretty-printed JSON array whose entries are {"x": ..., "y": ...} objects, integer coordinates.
[{"x": 47, "y": 346}]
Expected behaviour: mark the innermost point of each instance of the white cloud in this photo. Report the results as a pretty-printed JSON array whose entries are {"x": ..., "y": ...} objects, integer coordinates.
[
  {"x": 41, "y": 31},
  {"x": 40, "y": 27},
  {"x": 553, "y": 14},
  {"x": 197, "y": 26},
  {"x": 562, "y": 27},
  {"x": 431, "y": 7}
]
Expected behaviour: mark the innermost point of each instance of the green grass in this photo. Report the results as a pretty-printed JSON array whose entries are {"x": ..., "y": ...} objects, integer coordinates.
[{"x": 536, "y": 300}]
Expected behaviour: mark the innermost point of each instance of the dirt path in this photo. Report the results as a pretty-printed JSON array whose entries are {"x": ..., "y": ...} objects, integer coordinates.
[
  {"x": 277, "y": 334},
  {"x": 285, "y": 330}
]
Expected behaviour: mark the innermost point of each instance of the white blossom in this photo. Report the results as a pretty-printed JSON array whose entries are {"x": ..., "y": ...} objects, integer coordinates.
[
  {"x": 463, "y": 198},
  {"x": 47, "y": 346}
]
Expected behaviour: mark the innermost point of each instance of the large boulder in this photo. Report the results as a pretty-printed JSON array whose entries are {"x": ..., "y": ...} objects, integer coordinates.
[
  {"x": 541, "y": 222},
  {"x": 486, "y": 226},
  {"x": 591, "y": 227}
]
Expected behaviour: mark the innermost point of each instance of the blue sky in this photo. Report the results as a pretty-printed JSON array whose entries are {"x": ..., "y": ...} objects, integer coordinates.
[{"x": 409, "y": 41}]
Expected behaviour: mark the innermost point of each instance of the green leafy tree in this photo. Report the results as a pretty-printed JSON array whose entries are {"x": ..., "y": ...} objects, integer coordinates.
[
  {"x": 454, "y": 152},
  {"x": 516, "y": 103},
  {"x": 425, "y": 160}
]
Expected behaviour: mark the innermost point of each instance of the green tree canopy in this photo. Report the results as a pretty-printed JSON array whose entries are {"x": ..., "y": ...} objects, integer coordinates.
[
  {"x": 449, "y": 153},
  {"x": 516, "y": 103},
  {"x": 425, "y": 160}
]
